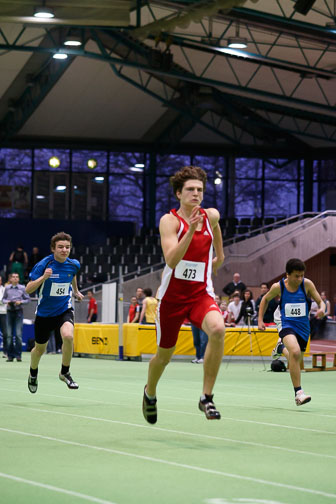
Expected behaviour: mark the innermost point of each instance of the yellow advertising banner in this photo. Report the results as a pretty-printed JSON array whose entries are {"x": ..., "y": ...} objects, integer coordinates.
[
  {"x": 141, "y": 339},
  {"x": 96, "y": 339}
]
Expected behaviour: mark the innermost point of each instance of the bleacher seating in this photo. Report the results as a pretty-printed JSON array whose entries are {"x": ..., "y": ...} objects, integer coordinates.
[{"x": 142, "y": 253}]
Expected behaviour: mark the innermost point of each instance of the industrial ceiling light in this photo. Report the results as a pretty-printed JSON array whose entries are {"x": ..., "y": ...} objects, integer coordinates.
[
  {"x": 73, "y": 41},
  {"x": 60, "y": 55},
  {"x": 43, "y": 12},
  {"x": 92, "y": 163},
  {"x": 54, "y": 162},
  {"x": 303, "y": 6},
  {"x": 237, "y": 42}
]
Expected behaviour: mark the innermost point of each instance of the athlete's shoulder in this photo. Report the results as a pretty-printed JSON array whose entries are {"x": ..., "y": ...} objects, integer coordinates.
[
  {"x": 168, "y": 220},
  {"x": 73, "y": 262},
  {"x": 46, "y": 259},
  {"x": 213, "y": 214},
  {"x": 44, "y": 262}
]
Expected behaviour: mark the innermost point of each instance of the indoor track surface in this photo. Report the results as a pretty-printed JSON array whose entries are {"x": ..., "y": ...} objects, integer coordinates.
[{"x": 63, "y": 446}]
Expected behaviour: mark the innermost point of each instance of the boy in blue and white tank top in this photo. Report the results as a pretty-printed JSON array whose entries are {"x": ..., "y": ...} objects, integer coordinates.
[
  {"x": 54, "y": 278},
  {"x": 292, "y": 317}
]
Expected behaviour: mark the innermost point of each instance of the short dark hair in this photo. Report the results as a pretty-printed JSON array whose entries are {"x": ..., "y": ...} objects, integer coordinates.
[
  {"x": 295, "y": 265},
  {"x": 187, "y": 173},
  {"x": 263, "y": 283},
  {"x": 148, "y": 292},
  {"x": 60, "y": 237}
]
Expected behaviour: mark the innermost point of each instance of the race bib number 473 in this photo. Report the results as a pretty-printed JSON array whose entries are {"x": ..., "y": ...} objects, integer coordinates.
[
  {"x": 190, "y": 270},
  {"x": 295, "y": 309},
  {"x": 59, "y": 289}
]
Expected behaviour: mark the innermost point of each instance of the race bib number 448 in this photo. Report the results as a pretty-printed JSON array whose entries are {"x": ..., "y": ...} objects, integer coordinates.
[
  {"x": 190, "y": 270},
  {"x": 295, "y": 309},
  {"x": 59, "y": 289}
]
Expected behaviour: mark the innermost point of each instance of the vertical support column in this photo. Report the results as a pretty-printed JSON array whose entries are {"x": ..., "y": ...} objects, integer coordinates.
[
  {"x": 138, "y": 13},
  {"x": 308, "y": 186},
  {"x": 151, "y": 189},
  {"x": 120, "y": 314}
]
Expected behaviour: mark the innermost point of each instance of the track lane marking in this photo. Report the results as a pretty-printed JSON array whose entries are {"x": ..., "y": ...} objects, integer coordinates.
[
  {"x": 175, "y": 464},
  {"x": 55, "y": 489}
]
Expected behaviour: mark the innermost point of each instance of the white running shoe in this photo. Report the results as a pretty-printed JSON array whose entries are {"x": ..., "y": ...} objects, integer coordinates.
[
  {"x": 195, "y": 361},
  {"x": 276, "y": 354},
  {"x": 301, "y": 398},
  {"x": 200, "y": 361}
]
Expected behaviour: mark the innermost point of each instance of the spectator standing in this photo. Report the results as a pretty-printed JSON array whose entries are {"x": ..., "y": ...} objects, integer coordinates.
[
  {"x": 200, "y": 342},
  {"x": 134, "y": 311},
  {"x": 235, "y": 285},
  {"x": 140, "y": 296},
  {"x": 14, "y": 297},
  {"x": 247, "y": 308},
  {"x": 92, "y": 308},
  {"x": 234, "y": 307},
  {"x": 18, "y": 262},
  {"x": 272, "y": 305},
  {"x": 3, "y": 319},
  {"x": 149, "y": 306},
  {"x": 34, "y": 258}
]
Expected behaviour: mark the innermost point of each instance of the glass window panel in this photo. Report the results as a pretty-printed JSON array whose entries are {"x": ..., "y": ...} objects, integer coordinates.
[
  {"x": 51, "y": 195},
  {"x": 316, "y": 197},
  {"x": 42, "y": 156},
  {"x": 165, "y": 198},
  {"x": 301, "y": 199},
  {"x": 315, "y": 170},
  {"x": 280, "y": 198},
  {"x": 328, "y": 169},
  {"x": 80, "y": 160},
  {"x": 79, "y": 205},
  {"x": 248, "y": 168},
  {"x": 15, "y": 198},
  {"x": 281, "y": 169},
  {"x": 16, "y": 159},
  {"x": 126, "y": 197},
  {"x": 168, "y": 164},
  {"x": 215, "y": 193},
  {"x": 328, "y": 195},
  {"x": 247, "y": 198},
  {"x": 122, "y": 162},
  {"x": 97, "y": 197}
]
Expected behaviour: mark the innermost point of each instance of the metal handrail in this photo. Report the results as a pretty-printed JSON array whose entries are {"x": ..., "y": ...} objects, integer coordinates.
[{"x": 302, "y": 225}]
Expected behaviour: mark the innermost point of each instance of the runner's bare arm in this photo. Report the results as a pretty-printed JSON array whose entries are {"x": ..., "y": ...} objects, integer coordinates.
[
  {"x": 78, "y": 295},
  {"x": 35, "y": 284},
  {"x": 312, "y": 292},
  {"x": 218, "y": 260}
]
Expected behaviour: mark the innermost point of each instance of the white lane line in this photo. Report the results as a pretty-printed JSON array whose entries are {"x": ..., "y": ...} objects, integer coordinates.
[
  {"x": 182, "y": 433},
  {"x": 268, "y": 424},
  {"x": 175, "y": 464},
  {"x": 55, "y": 489}
]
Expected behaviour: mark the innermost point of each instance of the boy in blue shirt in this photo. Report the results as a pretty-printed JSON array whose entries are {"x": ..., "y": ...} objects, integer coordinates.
[
  {"x": 55, "y": 279},
  {"x": 293, "y": 318}
]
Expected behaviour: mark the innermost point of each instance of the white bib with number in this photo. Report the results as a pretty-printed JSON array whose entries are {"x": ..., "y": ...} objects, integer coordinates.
[
  {"x": 59, "y": 289},
  {"x": 190, "y": 270},
  {"x": 295, "y": 309}
]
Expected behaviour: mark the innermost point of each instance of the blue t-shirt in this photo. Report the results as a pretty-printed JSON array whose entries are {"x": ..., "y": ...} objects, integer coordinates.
[
  {"x": 54, "y": 295},
  {"x": 294, "y": 309}
]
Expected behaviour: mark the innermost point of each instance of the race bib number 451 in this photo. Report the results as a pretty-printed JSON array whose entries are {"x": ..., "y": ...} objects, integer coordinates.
[
  {"x": 295, "y": 309},
  {"x": 59, "y": 289},
  {"x": 190, "y": 270}
]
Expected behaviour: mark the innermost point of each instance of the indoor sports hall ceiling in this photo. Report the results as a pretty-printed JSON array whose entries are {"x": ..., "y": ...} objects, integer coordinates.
[{"x": 161, "y": 74}]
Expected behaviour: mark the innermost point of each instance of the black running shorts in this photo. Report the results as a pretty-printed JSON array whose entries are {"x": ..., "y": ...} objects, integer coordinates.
[
  {"x": 45, "y": 325},
  {"x": 302, "y": 343}
]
